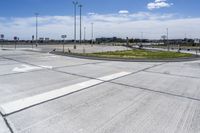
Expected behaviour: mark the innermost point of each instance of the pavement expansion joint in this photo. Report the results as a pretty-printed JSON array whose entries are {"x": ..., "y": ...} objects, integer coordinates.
[
  {"x": 25, "y": 103},
  {"x": 175, "y": 75},
  {"x": 156, "y": 91},
  {"x": 6, "y": 123}
]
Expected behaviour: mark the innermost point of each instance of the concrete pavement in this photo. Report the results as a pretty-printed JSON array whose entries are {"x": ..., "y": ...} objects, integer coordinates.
[
  {"x": 3, "y": 127},
  {"x": 80, "y": 48},
  {"x": 122, "y": 97}
]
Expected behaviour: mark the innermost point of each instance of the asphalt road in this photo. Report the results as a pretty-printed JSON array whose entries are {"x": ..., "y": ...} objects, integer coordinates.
[{"x": 45, "y": 93}]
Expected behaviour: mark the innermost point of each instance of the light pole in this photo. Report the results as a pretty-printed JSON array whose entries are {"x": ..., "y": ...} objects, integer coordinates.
[
  {"x": 84, "y": 33},
  {"x": 36, "y": 30},
  {"x": 142, "y": 37},
  {"x": 75, "y": 5},
  {"x": 167, "y": 39},
  {"x": 80, "y": 6},
  {"x": 92, "y": 32}
]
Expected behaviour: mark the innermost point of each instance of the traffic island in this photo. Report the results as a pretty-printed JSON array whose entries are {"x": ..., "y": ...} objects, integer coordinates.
[{"x": 139, "y": 55}]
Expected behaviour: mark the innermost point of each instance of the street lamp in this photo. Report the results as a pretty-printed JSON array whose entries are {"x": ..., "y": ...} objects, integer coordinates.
[
  {"x": 167, "y": 39},
  {"x": 80, "y": 6},
  {"x": 36, "y": 26},
  {"x": 92, "y": 32},
  {"x": 84, "y": 34},
  {"x": 75, "y": 3}
]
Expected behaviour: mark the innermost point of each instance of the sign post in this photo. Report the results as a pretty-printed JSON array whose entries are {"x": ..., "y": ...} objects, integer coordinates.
[
  {"x": 32, "y": 40},
  {"x": 15, "y": 39},
  {"x": 197, "y": 41},
  {"x": 64, "y": 37},
  {"x": 2, "y": 38}
]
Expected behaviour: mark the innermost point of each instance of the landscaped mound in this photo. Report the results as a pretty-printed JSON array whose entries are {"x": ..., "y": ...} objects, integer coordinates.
[{"x": 140, "y": 54}]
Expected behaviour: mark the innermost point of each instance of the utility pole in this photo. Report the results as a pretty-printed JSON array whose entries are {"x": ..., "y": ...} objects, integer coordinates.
[
  {"x": 92, "y": 32},
  {"x": 80, "y": 6},
  {"x": 36, "y": 30},
  {"x": 75, "y": 3}
]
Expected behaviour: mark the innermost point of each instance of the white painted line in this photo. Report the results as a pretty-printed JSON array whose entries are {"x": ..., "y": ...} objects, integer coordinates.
[
  {"x": 47, "y": 67},
  {"x": 25, "y": 68},
  {"x": 24, "y": 103},
  {"x": 114, "y": 76}
]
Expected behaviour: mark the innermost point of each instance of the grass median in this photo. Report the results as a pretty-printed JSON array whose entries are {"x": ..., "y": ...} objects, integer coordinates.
[{"x": 139, "y": 54}]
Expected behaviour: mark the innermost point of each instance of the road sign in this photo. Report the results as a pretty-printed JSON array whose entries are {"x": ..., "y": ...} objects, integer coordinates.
[
  {"x": 41, "y": 39},
  {"x": 47, "y": 39},
  {"x": 64, "y": 36},
  {"x": 33, "y": 37},
  {"x": 2, "y": 36},
  {"x": 196, "y": 41},
  {"x": 15, "y": 38}
]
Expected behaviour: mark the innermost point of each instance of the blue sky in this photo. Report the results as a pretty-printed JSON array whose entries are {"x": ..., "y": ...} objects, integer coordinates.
[
  {"x": 120, "y": 18},
  {"x": 22, "y": 8}
]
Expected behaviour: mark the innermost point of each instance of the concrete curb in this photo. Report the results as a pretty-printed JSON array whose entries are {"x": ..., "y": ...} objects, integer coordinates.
[{"x": 193, "y": 58}]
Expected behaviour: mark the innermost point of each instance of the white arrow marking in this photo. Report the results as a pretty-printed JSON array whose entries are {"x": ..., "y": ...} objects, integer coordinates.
[{"x": 25, "y": 68}]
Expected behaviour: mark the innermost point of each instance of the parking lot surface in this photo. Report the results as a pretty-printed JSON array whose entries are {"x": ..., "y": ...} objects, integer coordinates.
[{"x": 41, "y": 92}]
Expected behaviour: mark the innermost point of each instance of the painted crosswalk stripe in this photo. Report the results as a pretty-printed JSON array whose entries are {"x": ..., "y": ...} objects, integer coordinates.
[{"x": 14, "y": 106}]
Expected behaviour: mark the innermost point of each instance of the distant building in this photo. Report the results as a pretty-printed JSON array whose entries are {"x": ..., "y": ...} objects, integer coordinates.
[
  {"x": 109, "y": 40},
  {"x": 47, "y": 39},
  {"x": 41, "y": 39}
]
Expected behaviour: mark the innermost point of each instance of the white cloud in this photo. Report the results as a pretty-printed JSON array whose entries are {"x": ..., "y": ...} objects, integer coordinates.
[
  {"x": 158, "y": 4},
  {"x": 118, "y": 18},
  {"x": 91, "y": 13},
  {"x": 105, "y": 25},
  {"x": 157, "y": 1},
  {"x": 123, "y": 12}
]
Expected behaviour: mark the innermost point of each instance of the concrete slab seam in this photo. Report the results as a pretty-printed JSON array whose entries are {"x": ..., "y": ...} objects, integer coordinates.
[
  {"x": 14, "y": 106},
  {"x": 175, "y": 75},
  {"x": 155, "y": 91},
  {"x": 7, "y": 123}
]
